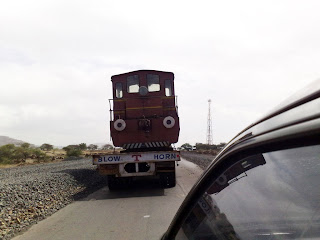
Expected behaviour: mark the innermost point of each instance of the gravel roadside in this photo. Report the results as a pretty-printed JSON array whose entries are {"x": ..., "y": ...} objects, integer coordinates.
[
  {"x": 28, "y": 194},
  {"x": 202, "y": 160}
]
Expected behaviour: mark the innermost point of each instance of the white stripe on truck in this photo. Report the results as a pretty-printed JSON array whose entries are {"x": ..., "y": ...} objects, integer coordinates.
[{"x": 136, "y": 157}]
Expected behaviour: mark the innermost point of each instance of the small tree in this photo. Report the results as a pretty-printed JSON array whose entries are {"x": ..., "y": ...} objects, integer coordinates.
[
  {"x": 46, "y": 147},
  {"x": 25, "y": 145},
  {"x": 39, "y": 155},
  {"x": 7, "y": 153},
  {"x": 186, "y": 146},
  {"x": 202, "y": 146},
  {"x": 92, "y": 147},
  {"x": 73, "y": 150},
  {"x": 83, "y": 146},
  {"x": 21, "y": 154},
  {"x": 66, "y": 148},
  {"x": 107, "y": 147}
]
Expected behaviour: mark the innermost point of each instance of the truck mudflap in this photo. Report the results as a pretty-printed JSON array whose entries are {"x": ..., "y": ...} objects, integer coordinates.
[{"x": 136, "y": 157}]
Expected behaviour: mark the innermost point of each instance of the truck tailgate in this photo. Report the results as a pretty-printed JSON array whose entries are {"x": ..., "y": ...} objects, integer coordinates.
[{"x": 136, "y": 157}]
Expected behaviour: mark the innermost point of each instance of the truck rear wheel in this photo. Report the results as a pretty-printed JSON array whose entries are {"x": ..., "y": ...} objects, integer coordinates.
[
  {"x": 168, "y": 180},
  {"x": 113, "y": 184}
]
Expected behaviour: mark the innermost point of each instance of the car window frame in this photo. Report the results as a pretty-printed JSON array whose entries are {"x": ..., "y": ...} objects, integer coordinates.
[{"x": 302, "y": 134}]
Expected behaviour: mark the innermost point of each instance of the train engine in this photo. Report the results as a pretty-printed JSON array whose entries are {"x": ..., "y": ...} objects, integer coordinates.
[{"x": 143, "y": 111}]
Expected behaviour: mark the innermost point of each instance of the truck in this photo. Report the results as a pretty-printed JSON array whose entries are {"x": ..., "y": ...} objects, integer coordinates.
[{"x": 144, "y": 123}]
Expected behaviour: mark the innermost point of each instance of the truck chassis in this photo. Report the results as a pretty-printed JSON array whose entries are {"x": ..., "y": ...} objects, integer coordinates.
[{"x": 121, "y": 168}]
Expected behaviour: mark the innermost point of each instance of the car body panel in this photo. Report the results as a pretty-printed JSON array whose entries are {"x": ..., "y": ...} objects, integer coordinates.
[{"x": 294, "y": 124}]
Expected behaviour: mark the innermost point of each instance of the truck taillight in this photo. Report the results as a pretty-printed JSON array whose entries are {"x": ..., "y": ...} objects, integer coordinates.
[
  {"x": 119, "y": 125},
  {"x": 169, "y": 122}
]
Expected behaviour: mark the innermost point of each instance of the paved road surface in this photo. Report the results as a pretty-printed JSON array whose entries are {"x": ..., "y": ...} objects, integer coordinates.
[{"x": 143, "y": 212}]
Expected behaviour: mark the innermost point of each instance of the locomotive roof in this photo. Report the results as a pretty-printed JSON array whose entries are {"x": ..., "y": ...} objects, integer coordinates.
[{"x": 138, "y": 71}]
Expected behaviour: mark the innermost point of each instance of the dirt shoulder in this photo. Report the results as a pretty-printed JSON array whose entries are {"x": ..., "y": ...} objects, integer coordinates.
[{"x": 202, "y": 160}]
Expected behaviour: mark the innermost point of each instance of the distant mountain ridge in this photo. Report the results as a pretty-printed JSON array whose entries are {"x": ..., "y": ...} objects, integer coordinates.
[{"x": 7, "y": 140}]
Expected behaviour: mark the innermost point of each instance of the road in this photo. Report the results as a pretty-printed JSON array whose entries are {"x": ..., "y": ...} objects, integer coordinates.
[{"x": 143, "y": 212}]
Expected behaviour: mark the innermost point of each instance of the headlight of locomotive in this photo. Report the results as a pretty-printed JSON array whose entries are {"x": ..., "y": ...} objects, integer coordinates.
[
  {"x": 169, "y": 122},
  {"x": 119, "y": 125}
]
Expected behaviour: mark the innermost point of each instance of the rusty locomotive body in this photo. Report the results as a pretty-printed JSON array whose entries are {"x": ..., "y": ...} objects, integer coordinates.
[
  {"x": 144, "y": 122},
  {"x": 143, "y": 111}
]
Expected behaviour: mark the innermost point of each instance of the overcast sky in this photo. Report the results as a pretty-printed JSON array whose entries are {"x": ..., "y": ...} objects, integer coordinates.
[{"x": 57, "y": 57}]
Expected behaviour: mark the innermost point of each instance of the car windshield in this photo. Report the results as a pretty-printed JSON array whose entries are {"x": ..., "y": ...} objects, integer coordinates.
[{"x": 274, "y": 195}]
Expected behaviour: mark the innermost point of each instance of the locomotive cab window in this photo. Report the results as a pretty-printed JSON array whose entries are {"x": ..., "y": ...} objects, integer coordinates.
[
  {"x": 133, "y": 84},
  {"x": 119, "y": 91},
  {"x": 168, "y": 88},
  {"x": 153, "y": 82}
]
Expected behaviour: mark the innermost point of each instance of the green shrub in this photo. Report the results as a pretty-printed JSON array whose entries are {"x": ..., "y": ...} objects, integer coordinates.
[
  {"x": 40, "y": 156},
  {"x": 74, "y": 152},
  {"x": 10, "y": 154},
  {"x": 7, "y": 153}
]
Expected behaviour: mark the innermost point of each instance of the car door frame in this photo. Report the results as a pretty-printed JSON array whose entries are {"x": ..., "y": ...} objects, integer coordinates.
[{"x": 296, "y": 131}]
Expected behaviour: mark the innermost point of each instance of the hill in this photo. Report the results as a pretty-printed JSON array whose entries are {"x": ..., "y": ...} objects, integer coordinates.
[{"x": 7, "y": 140}]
